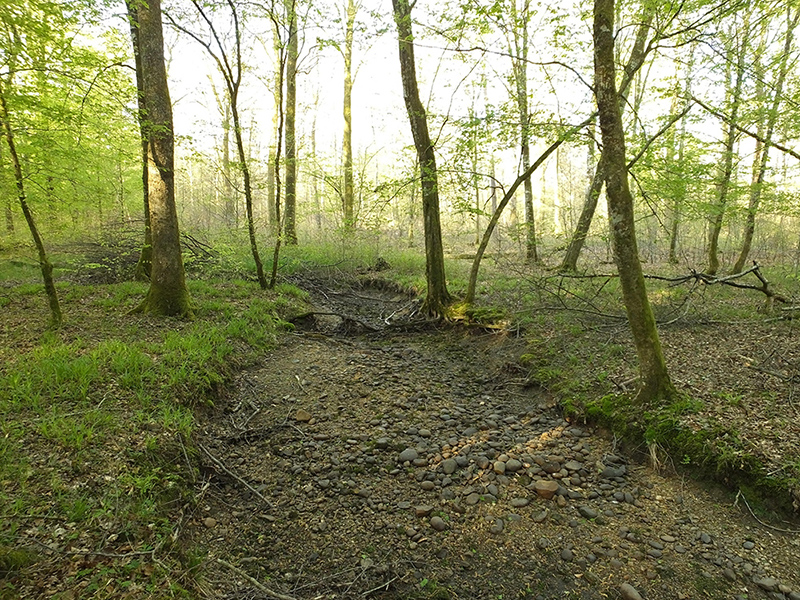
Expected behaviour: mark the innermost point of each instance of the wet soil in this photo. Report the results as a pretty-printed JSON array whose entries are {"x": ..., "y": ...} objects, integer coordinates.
[{"x": 373, "y": 455}]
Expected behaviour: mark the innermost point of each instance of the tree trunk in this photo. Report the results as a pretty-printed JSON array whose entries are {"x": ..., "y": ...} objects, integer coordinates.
[
  {"x": 519, "y": 64},
  {"x": 635, "y": 62},
  {"x": 437, "y": 297},
  {"x": 44, "y": 263},
  {"x": 347, "y": 134},
  {"x": 570, "y": 262},
  {"x": 731, "y": 135},
  {"x": 248, "y": 192},
  {"x": 274, "y": 225},
  {"x": 278, "y": 229},
  {"x": 167, "y": 294},
  {"x": 318, "y": 207},
  {"x": 231, "y": 212},
  {"x": 8, "y": 208},
  {"x": 655, "y": 382},
  {"x": 144, "y": 264},
  {"x": 762, "y": 148},
  {"x": 290, "y": 209},
  {"x": 231, "y": 71}
]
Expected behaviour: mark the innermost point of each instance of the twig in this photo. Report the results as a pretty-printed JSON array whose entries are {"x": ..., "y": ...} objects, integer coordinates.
[
  {"x": 219, "y": 463},
  {"x": 43, "y": 517},
  {"x": 250, "y": 418},
  {"x": 767, "y": 525},
  {"x": 380, "y": 587},
  {"x": 255, "y": 582},
  {"x": 90, "y": 552}
]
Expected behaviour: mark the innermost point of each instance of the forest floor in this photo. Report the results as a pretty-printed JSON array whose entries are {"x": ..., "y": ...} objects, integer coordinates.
[
  {"x": 371, "y": 456},
  {"x": 362, "y": 452}
]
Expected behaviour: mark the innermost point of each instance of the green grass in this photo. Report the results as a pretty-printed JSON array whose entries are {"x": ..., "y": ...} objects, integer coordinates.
[{"x": 99, "y": 418}]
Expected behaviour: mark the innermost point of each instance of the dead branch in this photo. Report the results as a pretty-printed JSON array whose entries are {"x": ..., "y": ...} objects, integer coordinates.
[
  {"x": 730, "y": 280},
  {"x": 222, "y": 466},
  {"x": 254, "y": 582}
]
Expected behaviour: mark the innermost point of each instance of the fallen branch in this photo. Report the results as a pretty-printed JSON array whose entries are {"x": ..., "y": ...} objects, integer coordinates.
[
  {"x": 222, "y": 466},
  {"x": 730, "y": 280},
  {"x": 747, "y": 504},
  {"x": 253, "y": 581}
]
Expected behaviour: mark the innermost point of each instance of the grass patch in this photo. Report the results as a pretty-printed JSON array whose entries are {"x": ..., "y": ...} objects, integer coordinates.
[{"x": 96, "y": 440}]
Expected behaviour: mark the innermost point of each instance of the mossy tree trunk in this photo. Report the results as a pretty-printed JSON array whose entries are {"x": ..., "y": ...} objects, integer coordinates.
[
  {"x": 437, "y": 297},
  {"x": 655, "y": 384},
  {"x": 168, "y": 295},
  {"x": 144, "y": 264},
  {"x": 44, "y": 263}
]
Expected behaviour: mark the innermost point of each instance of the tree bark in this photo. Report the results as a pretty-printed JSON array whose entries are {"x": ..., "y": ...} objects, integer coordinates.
[
  {"x": 437, "y": 297},
  {"x": 276, "y": 171},
  {"x": 44, "y": 264},
  {"x": 347, "y": 134},
  {"x": 655, "y": 383},
  {"x": 635, "y": 62},
  {"x": 762, "y": 148},
  {"x": 290, "y": 208},
  {"x": 168, "y": 294},
  {"x": 144, "y": 264}
]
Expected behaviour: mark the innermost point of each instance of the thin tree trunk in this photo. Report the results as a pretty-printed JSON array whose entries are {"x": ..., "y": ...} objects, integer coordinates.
[
  {"x": 8, "y": 209},
  {"x": 726, "y": 172},
  {"x": 44, "y": 264},
  {"x": 231, "y": 72},
  {"x": 231, "y": 213},
  {"x": 655, "y": 384},
  {"x": 680, "y": 192},
  {"x": 168, "y": 294},
  {"x": 760, "y": 169},
  {"x": 487, "y": 235},
  {"x": 519, "y": 64},
  {"x": 347, "y": 134},
  {"x": 144, "y": 264},
  {"x": 635, "y": 62},
  {"x": 437, "y": 298},
  {"x": 248, "y": 194},
  {"x": 315, "y": 180},
  {"x": 290, "y": 212},
  {"x": 274, "y": 224},
  {"x": 279, "y": 76},
  {"x": 570, "y": 262}
]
